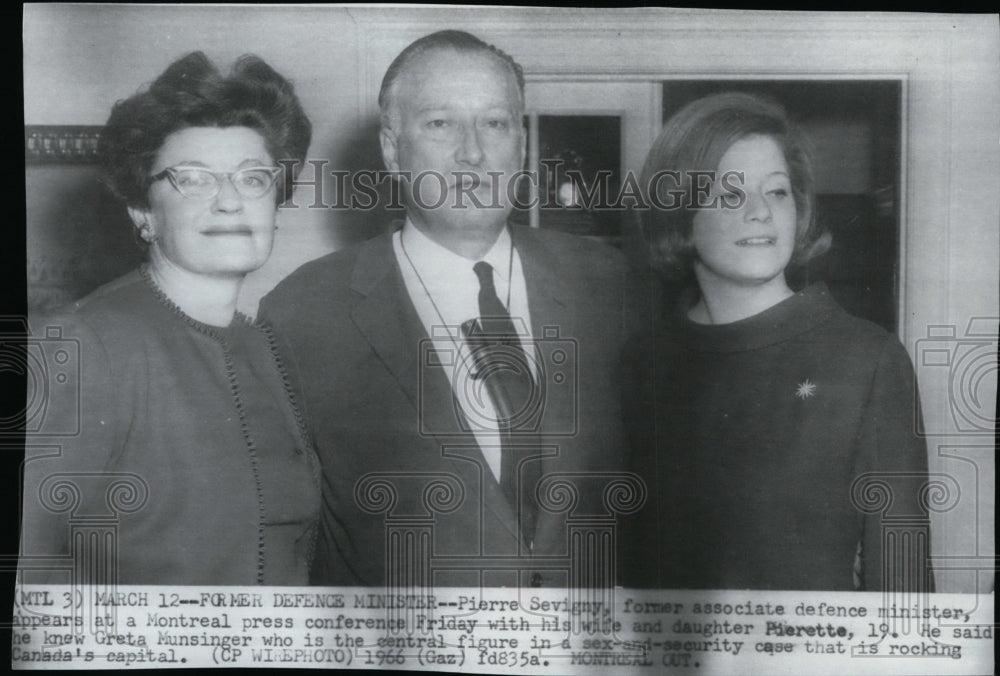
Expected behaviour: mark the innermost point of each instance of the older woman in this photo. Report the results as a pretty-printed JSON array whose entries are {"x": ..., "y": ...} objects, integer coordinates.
[
  {"x": 190, "y": 444},
  {"x": 759, "y": 406}
]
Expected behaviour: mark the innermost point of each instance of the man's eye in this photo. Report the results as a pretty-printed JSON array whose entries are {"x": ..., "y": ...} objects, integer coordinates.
[
  {"x": 438, "y": 124},
  {"x": 497, "y": 123},
  {"x": 779, "y": 192}
]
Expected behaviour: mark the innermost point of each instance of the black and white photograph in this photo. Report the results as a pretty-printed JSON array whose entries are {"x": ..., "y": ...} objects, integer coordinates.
[{"x": 485, "y": 338}]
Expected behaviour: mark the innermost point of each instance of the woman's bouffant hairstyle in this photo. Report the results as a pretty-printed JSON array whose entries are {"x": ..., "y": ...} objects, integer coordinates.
[
  {"x": 192, "y": 92},
  {"x": 694, "y": 140}
]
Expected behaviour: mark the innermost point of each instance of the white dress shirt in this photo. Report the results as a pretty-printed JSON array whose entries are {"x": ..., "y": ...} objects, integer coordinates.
[{"x": 444, "y": 289}]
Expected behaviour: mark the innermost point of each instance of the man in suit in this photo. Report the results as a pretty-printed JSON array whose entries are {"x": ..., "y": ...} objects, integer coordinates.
[{"x": 445, "y": 368}]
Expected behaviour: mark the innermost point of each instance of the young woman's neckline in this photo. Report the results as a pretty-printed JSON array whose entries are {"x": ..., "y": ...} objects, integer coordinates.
[{"x": 790, "y": 317}]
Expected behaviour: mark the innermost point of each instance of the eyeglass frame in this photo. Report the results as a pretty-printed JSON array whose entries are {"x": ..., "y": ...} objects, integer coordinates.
[{"x": 170, "y": 173}]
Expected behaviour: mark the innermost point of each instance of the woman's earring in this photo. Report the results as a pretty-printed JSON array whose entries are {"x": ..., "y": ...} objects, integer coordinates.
[{"x": 147, "y": 234}]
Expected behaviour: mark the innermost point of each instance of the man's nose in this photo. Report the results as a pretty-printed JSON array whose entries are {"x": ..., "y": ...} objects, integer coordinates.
[{"x": 470, "y": 151}]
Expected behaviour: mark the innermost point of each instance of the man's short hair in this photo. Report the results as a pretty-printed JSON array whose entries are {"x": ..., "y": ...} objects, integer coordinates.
[{"x": 459, "y": 41}]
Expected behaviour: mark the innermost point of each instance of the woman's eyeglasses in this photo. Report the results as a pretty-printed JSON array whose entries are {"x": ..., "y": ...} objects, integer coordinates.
[{"x": 199, "y": 183}]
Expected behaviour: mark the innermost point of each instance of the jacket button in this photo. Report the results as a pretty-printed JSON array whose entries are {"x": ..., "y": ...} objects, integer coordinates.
[{"x": 536, "y": 579}]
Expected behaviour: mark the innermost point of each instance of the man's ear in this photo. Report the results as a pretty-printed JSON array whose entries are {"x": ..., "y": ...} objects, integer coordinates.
[{"x": 387, "y": 138}]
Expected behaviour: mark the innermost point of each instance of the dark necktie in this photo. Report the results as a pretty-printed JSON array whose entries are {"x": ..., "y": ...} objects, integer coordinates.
[{"x": 502, "y": 365}]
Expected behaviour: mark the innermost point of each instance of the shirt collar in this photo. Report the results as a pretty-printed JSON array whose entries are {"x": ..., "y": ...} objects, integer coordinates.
[{"x": 426, "y": 253}]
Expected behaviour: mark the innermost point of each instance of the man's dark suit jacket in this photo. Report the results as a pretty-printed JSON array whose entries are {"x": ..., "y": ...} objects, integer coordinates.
[{"x": 377, "y": 403}]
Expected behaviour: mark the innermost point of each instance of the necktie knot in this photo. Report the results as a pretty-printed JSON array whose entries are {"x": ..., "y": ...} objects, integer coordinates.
[
  {"x": 484, "y": 271},
  {"x": 493, "y": 315}
]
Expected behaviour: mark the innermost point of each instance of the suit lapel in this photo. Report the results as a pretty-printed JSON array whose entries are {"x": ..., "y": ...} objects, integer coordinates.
[
  {"x": 550, "y": 301},
  {"x": 384, "y": 315},
  {"x": 549, "y": 295}
]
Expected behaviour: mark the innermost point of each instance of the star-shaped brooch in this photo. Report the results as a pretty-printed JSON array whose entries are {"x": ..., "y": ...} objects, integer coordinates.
[{"x": 805, "y": 389}]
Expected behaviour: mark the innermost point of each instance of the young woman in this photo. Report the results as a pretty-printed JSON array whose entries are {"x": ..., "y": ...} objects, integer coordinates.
[{"x": 753, "y": 408}]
